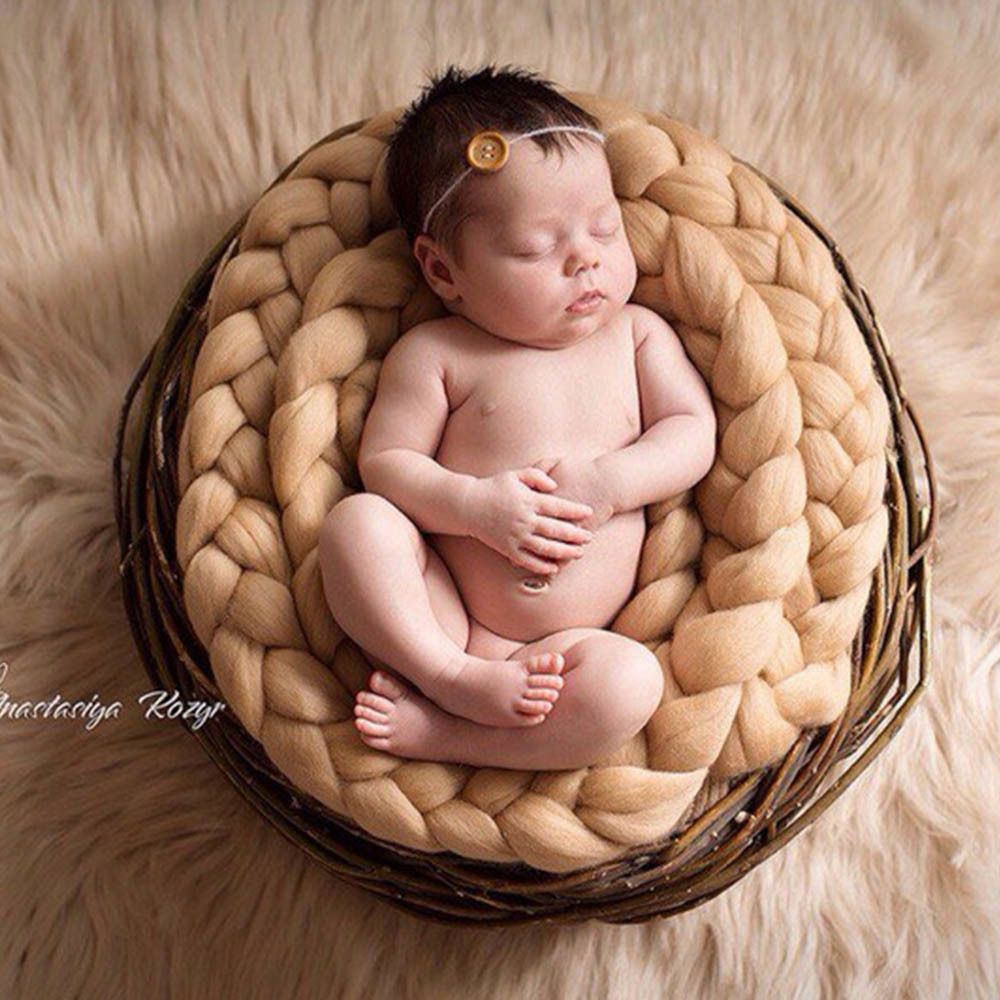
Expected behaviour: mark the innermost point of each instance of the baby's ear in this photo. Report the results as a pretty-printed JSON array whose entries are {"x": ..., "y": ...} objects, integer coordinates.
[
  {"x": 426, "y": 253},
  {"x": 436, "y": 273}
]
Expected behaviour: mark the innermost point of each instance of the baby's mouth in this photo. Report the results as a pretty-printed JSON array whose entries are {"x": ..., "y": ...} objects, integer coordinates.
[{"x": 585, "y": 301}]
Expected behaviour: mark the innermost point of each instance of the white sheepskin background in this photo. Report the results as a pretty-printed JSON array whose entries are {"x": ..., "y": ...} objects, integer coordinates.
[{"x": 132, "y": 135}]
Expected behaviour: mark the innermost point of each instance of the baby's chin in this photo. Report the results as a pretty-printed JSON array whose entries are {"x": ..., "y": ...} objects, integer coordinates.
[
  {"x": 579, "y": 328},
  {"x": 605, "y": 314},
  {"x": 571, "y": 330}
]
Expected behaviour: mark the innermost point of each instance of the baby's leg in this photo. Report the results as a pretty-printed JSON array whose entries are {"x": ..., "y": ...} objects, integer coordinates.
[
  {"x": 392, "y": 595},
  {"x": 613, "y": 685}
]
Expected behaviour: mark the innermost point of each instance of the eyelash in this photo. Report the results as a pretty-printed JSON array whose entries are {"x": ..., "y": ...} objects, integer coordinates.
[{"x": 541, "y": 253}]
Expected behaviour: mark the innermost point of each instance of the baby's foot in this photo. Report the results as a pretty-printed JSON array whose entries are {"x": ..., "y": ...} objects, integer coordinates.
[
  {"x": 398, "y": 719},
  {"x": 498, "y": 692}
]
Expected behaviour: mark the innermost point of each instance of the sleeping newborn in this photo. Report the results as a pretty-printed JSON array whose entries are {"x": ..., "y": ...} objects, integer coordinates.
[{"x": 507, "y": 456}]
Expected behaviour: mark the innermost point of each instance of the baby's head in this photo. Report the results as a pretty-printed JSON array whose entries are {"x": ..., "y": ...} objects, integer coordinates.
[{"x": 510, "y": 248}]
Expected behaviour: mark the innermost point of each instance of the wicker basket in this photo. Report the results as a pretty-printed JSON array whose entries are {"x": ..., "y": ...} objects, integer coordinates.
[{"x": 728, "y": 830}]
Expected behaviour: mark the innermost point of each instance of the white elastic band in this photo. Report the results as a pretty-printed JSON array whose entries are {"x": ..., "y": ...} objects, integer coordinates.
[{"x": 510, "y": 142}]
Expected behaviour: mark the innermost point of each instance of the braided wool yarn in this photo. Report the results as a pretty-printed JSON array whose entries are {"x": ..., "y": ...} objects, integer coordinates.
[{"x": 751, "y": 586}]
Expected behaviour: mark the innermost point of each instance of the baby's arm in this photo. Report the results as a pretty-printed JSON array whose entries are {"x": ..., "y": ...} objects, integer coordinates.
[
  {"x": 511, "y": 511},
  {"x": 402, "y": 431},
  {"x": 678, "y": 447}
]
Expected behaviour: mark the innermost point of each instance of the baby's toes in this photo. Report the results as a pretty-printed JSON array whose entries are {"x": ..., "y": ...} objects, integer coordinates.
[
  {"x": 541, "y": 693},
  {"x": 541, "y": 683},
  {"x": 546, "y": 664},
  {"x": 369, "y": 699},
  {"x": 378, "y": 738},
  {"x": 385, "y": 685},
  {"x": 371, "y": 723},
  {"x": 539, "y": 699},
  {"x": 373, "y": 714},
  {"x": 534, "y": 706}
]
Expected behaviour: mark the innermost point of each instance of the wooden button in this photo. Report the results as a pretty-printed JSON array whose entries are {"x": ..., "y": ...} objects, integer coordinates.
[{"x": 487, "y": 151}]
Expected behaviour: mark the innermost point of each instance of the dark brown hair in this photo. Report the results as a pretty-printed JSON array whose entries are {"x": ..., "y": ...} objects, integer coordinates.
[{"x": 427, "y": 149}]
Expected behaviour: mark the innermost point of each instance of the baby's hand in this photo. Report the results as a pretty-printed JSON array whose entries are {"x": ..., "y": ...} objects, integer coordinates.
[
  {"x": 533, "y": 530},
  {"x": 580, "y": 480}
]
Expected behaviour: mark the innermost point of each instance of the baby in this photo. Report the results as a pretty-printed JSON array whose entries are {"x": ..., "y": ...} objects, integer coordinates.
[{"x": 510, "y": 449}]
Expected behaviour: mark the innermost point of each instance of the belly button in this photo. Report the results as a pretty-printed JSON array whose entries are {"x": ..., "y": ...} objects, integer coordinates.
[{"x": 534, "y": 583}]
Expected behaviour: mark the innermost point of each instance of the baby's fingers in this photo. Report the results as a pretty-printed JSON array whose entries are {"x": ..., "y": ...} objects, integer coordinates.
[
  {"x": 551, "y": 550},
  {"x": 537, "y": 479},
  {"x": 525, "y": 560},
  {"x": 562, "y": 507},
  {"x": 562, "y": 530}
]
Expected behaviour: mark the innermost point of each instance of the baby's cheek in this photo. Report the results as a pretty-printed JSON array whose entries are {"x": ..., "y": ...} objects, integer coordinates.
[
  {"x": 526, "y": 289},
  {"x": 627, "y": 271}
]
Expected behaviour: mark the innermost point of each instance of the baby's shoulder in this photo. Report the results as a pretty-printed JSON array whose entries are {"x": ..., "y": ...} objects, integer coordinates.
[
  {"x": 642, "y": 320},
  {"x": 421, "y": 343},
  {"x": 426, "y": 349},
  {"x": 429, "y": 336}
]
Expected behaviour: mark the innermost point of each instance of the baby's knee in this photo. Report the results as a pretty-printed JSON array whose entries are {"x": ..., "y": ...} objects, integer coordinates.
[
  {"x": 646, "y": 683},
  {"x": 361, "y": 524},
  {"x": 628, "y": 685},
  {"x": 351, "y": 515}
]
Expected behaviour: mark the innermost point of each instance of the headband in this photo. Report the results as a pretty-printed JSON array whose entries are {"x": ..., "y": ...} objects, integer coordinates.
[{"x": 487, "y": 152}]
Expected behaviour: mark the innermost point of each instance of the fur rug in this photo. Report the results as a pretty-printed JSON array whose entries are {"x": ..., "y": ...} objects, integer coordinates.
[{"x": 131, "y": 136}]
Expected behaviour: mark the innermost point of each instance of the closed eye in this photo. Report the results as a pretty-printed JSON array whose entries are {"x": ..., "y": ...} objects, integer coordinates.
[
  {"x": 600, "y": 234},
  {"x": 533, "y": 253}
]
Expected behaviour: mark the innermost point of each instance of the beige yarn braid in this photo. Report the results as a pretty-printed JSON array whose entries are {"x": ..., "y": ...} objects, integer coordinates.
[{"x": 751, "y": 587}]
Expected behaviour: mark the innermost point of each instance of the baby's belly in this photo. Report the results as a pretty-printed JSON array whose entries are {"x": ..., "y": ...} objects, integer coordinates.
[{"x": 519, "y": 604}]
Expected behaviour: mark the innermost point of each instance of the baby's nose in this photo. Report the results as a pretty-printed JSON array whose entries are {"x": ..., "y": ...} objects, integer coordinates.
[{"x": 577, "y": 261}]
